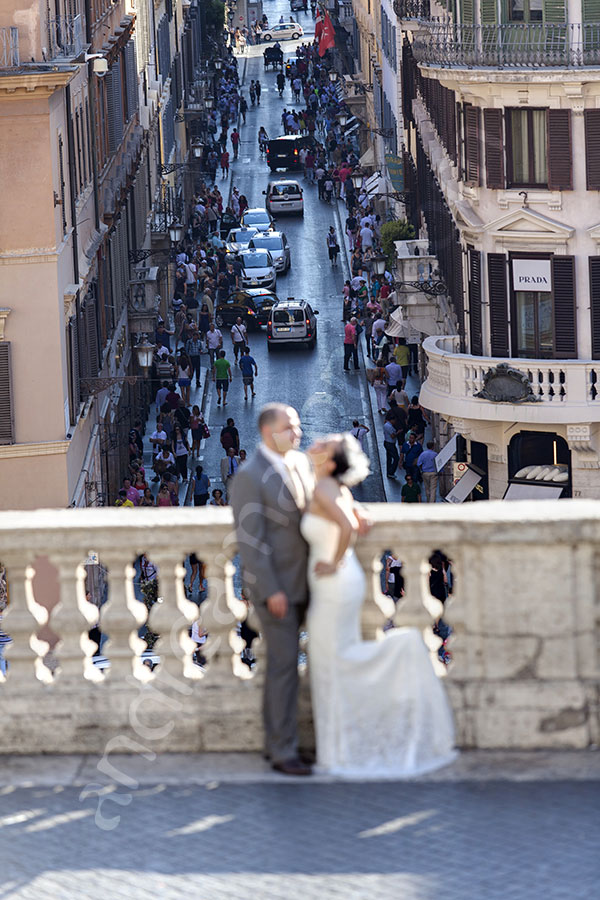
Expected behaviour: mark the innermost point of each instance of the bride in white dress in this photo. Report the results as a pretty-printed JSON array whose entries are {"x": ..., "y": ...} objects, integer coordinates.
[{"x": 379, "y": 709}]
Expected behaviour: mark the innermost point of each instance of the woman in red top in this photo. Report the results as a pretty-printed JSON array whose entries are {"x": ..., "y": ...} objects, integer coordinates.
[{"x": 225, "y": 163}]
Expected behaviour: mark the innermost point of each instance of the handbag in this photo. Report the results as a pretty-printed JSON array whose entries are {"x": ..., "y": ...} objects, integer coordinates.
[{"x": 205, "y": 430}]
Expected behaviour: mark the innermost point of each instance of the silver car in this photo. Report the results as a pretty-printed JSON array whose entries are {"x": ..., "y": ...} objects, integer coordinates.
[
  {"x": 259, "y": 270},
  {"x": 258, "y": 218},
  {"x": 277, "y": 245}
]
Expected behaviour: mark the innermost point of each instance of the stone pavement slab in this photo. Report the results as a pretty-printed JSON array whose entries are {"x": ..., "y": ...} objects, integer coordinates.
[{"x": 282, "y": 841}]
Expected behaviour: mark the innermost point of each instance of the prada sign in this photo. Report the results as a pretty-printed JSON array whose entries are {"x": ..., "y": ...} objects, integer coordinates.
[{"x": 532, "y": 275}]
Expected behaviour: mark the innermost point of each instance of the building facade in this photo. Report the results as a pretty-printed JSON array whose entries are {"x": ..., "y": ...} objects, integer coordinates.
[
  {"x": 501, "y": 106},
  {"x": 90, "y": 95}
]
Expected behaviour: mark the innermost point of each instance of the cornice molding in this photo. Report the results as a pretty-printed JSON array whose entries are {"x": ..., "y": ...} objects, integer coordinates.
[
  {"x": 47, "y": 448},
  {"x": 31, "y": 84}
]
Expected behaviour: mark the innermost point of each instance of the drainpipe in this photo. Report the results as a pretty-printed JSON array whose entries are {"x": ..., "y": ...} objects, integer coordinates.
[
  {"x": 91, "y": 114},
  {"x": 72, "y": 181}
]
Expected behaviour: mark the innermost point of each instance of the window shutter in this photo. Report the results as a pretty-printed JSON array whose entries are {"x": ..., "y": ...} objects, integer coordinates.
[
  {"x": 131, "y": 76},
  {"x": 114, "y": 104},
  {"x": 75, "y": 396},
  {"x": 472, "y": 144},
  {"x": 91, "y": 328},
  {"x": 497, "y": 291},
  {"x": 565, "y": 314},
  {"x": 591, "y": 10},
  {"x": 560, "y": 168},
  {"x": 468, "y": 12},
  {"x": 475, "y": 302},
  {"x": 595, "y": 304},
  {"x": 592, "y": 147},
  {"x": 7, "y": 421},
  {"x": 494, "y": 148},
  {"x": 555, "y": 11},
  {"x": 488, "y": 12}
]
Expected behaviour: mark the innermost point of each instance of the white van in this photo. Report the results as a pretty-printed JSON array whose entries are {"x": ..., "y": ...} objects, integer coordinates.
[{"x": 284, "y": 197}]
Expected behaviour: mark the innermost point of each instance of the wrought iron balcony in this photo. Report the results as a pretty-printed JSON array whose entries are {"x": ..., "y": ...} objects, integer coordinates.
[
  {"x": 9, "y": 47},
  {"x": 65, "y": 37},
  {"x": 504, "y": 46}
]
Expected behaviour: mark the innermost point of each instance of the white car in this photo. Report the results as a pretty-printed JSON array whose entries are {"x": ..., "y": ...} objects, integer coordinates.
[
  {"x": 283, "y": 31},
  {"x": 277, "y": 245},
  {"x": 258, "y": 218},
  {"x": 285, "y": 196},
  {"x": 259, "y": 269},
  {"x": 239, "y": 238}
]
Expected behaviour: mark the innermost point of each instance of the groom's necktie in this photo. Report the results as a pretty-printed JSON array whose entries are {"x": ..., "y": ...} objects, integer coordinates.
[{"x": 296, "y": 486}]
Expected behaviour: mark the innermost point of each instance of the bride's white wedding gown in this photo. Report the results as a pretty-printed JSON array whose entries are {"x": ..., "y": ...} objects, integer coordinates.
[{"x": 379, "y": 708}]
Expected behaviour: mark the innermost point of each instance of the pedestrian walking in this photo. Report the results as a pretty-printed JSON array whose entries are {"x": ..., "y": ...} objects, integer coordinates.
[
  {"x": 221, "y": 375},
  {"x": 201, "y": 487},
  {"x": 235, "y": 142},
  {"x": 181, "y": 450},
  {"x": 249, "y": 369},
  {"x": 252, "y": 93},
  {"x": 426, "y": 463},
  {"x": 239, "y": 333},
  {"x": 411, "y": 491},
  {"x": 258, "y": 90},
  {"x": 394, "y": 376},
  {"x": 359, "y": 432},
  {"x": 391, "y": 448},
  {"x": 193, "y": 349},
  {"x": 378, "y": 379},
  {"x": 332, "y": 246},
  {"x": 224, "y": 164},
  {"x": 350, "y": 344},
  {"x": 229, "y": 466},
  {"x": 243, "y": 108},
  {"x": 411, "y": 450},
  {"x": 184, "y": 377},
  {"x": 417, "y": 419},
  {"x": 214, "y": 342},
  {"x": 230, "y": 436}
]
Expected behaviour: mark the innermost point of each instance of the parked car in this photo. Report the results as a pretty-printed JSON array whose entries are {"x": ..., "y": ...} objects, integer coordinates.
[
  {"x": 297, "y": 5},
  {"x": 284, "y": 197},
  {"x": 284, "y": 152},
  {"x": 258, "y": 218},
  {"x": 277, "y": 245},
  {"x": 239, "y": 238},
  {"x": 293, "y": 322},
  {"x": 283, "y": 31},
  {"x": 259, "y": 269},
  {"x": 228, "y": 221},
  {"x": 252, "y": 304}
]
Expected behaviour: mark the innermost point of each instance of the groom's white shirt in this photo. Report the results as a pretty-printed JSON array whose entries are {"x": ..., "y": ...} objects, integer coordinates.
[{"x": 286, "y": 466}]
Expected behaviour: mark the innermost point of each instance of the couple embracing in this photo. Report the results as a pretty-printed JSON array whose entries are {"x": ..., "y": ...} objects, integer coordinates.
[{"x": 378, "y": 707}]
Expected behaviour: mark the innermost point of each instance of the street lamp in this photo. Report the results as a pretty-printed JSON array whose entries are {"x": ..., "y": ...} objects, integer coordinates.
[
  {"x": 333, "y": 76},
  {"x": 379, "y": 263},
  {"x": 209, "y": 102},
  {"x": 176, "y": 232},
  {"x": 144, "y": 351},
  {"x": 218, "y": 64},
  {"x": 357, "y": 179},
  {"x": 197, "y": 149},
  {"x": 342, "y": 119}
]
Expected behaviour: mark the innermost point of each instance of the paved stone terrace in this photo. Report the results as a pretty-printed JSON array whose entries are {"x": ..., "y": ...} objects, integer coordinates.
[{"x": 491, "y": 826}]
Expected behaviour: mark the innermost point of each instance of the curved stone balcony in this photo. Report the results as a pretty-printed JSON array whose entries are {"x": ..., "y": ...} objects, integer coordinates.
[
  {"x": 562, "y": 390},
  {"x": 525, "y": 671}
]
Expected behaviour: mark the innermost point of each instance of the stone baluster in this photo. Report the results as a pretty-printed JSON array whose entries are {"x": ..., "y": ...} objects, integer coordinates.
[
  {"x": 377, "y": 607},
  {"x": 220, "y": 611},
  {"x": 172, "y": 617},
  {"x": 417, "y": 609},
  {"x": 21, "y": 619},
  {"x": 121, "y": 617},
  {"x": 73, "y": 617}
]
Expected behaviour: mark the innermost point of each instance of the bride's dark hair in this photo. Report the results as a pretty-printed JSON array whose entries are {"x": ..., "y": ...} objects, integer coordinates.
[{"x": 351, "y": 464}]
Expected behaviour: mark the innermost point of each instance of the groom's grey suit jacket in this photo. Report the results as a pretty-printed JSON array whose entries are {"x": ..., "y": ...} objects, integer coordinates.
[{"x": 267, "y": 509}]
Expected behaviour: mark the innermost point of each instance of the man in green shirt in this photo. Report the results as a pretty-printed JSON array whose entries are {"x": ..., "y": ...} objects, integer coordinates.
[
  {"x": 402, "y": 357},
  {"x": 411, "y": 492},
  {"x": 221, "y": 373}
]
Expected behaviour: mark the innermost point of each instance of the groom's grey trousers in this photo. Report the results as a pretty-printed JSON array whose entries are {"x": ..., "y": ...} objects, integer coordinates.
[{"x": 274, "y": 558}]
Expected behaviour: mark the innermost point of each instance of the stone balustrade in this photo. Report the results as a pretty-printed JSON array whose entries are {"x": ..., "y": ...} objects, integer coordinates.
[
  {"x": 525, "y": 612},
  {"x": 565, "y": 389}
]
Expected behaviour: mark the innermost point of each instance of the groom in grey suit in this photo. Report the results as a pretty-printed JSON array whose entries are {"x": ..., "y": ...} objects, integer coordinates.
[{"x": 269, "y": 494}]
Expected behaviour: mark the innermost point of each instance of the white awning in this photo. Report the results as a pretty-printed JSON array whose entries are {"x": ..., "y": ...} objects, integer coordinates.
[
  {"x": 399, "y": 326},
  {"x": 446, "y": 453},
  {"x": 533, "y": 490},
  {"x": 463, "y": 488},
  {"x": 368, "y": 158}
]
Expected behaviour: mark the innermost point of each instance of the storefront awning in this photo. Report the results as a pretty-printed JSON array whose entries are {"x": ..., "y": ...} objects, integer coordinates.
[
  {"x": 399, "y": 326},
  {"x": 533, "y": 490},
  {"x": 368, "y": 158},
  {"x": 463, "y": 488}
]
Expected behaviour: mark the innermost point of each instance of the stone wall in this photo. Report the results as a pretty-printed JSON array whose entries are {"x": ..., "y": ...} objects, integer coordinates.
[{"x": 525, "y": 671}]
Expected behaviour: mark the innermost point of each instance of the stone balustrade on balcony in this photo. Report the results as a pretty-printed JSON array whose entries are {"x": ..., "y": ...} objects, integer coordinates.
[
  {"x": 529, "y": 46},
  {"x": 563, "y": 390},
  {"x": 525, "y": 671}
]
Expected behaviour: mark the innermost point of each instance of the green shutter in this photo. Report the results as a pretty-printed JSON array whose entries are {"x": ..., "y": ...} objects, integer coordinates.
[
  {"x": 555, "y": 11},
  {"x": 467, "y": 12},
  {"x": 488, "y": 10},
  {"x": 591, "y": 10}
]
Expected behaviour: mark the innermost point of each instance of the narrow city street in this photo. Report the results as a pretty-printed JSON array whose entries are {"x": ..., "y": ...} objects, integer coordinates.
[{"x": 327, "y": 398}]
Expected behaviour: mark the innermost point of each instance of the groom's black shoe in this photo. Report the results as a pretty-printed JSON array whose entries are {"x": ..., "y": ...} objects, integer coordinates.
[
  {"x": 306, "y": 756},
  {"x": 292, "y": 767}
]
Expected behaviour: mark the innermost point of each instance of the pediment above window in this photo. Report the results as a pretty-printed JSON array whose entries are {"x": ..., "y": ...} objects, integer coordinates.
[{"x": 524, "y": 226}]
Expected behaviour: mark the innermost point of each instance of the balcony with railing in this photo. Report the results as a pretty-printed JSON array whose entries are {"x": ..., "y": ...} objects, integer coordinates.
[
  {"x": 529, "y": 46},
  {"x": 65, "y": 37},
  {"x": 559, "y": 390},
  {"x": 9, "y": 47},
  {"x": 412, "y": 9},
  {"x": 525, "y": 668}
]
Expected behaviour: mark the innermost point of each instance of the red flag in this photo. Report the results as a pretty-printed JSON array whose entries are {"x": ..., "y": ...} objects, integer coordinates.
[
  {"x": 327, "y": 35},
  {"x": 318, "y": 25}
]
